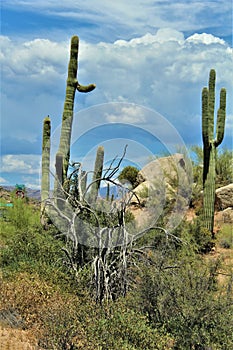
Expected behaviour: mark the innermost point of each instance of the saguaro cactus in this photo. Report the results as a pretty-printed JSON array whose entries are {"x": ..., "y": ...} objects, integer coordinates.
[
  {"x": 210, "y": 144},
  {"x": 99, "y": 161},
  {"x": 71, "y": 86},
  {"x": 45, "y": 183},
  {"x": 45, "y": 159}
]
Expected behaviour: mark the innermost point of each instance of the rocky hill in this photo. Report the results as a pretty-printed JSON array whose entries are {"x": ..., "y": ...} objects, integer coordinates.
[{"x": 5, "y": 192}]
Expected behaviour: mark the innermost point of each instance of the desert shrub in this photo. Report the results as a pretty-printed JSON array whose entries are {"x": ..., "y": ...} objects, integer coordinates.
[
  {"x": 225, "y": 236},
  {"x": 93, "y": 327},
  {"x": 62, "y": 321},
  {"x": 120, "y": 327},
  {"x": 23, "y": 215},
  {"x": 200, "y": 236},
  {"x": 184, "y": 300},
  {"x": 224, "y": 166},
  {"x": 34, "y": 251}
]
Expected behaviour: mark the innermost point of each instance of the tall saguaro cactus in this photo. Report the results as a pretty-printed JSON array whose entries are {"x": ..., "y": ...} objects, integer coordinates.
[
  {"x": 72, "y": 85},
  {"x": 210, "y": 144},
  {"x": 45, "y": 183}
]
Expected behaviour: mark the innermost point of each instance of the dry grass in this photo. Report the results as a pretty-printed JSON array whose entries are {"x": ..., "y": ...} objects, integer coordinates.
[{"x": 16, "y": 339}]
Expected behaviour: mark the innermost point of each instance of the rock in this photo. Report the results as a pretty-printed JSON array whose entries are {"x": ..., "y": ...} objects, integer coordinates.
[
  {"x": 165, "y": 167},
  {"x": 224, "y": 196},
  {"x": 141, "y": 193},
  {"x": 166, "y": 178},
  {"x": 227, "y": 215}
]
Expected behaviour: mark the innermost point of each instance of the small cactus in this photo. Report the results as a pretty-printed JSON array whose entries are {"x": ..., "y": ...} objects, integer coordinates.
[
  {"x": 45, "y": 183},
  {"x": 45, "y": 176},
  {"x": 210, "y": 144},
  {"x": 99, "y": 161}
]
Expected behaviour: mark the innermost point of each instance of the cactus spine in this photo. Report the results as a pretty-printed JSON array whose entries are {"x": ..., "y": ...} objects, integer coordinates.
[
  {"x": 99, "y": 161},
  {"x": 210, "y": 144},
  {"x": 72, "y": 85}
]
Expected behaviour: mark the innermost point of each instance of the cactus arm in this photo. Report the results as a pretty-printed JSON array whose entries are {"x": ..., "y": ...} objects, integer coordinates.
[
  {"x": 221, "y": 118},
  {"x": 205, "y": 131},
  {"x": 85, "y": 88},
  {"x": 211, "y": 102},
  {"x": 205, "y": 117},
  {"x": 97, "y": 173},
  {"x": 58, "y": 165},
  {"x": 59, "y": 180}
]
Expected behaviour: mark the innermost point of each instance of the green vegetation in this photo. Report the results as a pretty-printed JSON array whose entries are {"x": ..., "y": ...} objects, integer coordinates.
[
  {"x": 224, "y": 169},
  {"x": 225, "y": 236},
  {"x": 129, "y": 175},
  {"x": 174, "y": 300},
  {"x": 92, "y": 283}
]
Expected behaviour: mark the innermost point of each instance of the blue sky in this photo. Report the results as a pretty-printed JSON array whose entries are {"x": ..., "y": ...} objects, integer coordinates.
[{"x": 149, "y": 58}]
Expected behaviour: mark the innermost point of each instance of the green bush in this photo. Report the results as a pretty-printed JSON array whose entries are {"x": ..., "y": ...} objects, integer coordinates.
[
  {"x": 26, "y": 247},
  {"x": 73, "y": 325},
  {"x": 200, "y": 236},
  {"x": 225, "y": 236},
  {"x": 23, "y": 215},
  {"x": 129, "y": 175},
  {"x": 224, "y": 166},
  {"x": 182, "y": 297}
]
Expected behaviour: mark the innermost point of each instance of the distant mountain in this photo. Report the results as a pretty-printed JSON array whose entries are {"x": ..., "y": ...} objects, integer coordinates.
[
  {"x": 35, "y": 194},
  {"x": 114, "y": 190},
  {"x": 31, "y": 193}
]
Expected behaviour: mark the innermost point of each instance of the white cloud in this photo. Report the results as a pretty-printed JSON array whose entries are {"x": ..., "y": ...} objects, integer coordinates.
[
  {"x": 160, "y": 70},
  {"x": 138, "y": 16},
  {"x": 229, "y": 126},
  {"x": 205, "y": 39},
  {"x": 31, "y": 182},
  {"x": 20, "y": 163},
  {"x": 126, "y": 19},
  {"x": 3, "y": 181},
  {"x": 126, "y": 114},
  {"x": 156, "y": 74},
  {"x": 39, "y": 59},
  {"x": 162, "y": 36}
]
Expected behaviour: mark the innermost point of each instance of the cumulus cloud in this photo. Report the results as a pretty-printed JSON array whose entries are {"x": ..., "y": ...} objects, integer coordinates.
[
  {"x": 23, "y": 163},
  {"x": 126, "y": 114},
  {"x": 37, "y": 59},
  {"x": 161, "y": 70},
  {"x": 206, "y": 39},
  {"x": 167, "y": 74}
]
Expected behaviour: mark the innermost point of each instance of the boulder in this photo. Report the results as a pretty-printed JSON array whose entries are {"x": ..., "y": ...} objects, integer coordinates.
[
  {"x": 166, "y": 177},
  {"x": 165, "y": 167},
  {"x": 224, "y": 216},
  {"x": 227, "y": 215},
  {"x": 224, "y": 196}
]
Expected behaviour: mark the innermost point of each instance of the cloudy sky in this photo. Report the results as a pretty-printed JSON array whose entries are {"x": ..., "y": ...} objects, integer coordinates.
[{"x": 149, "y": 60}]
